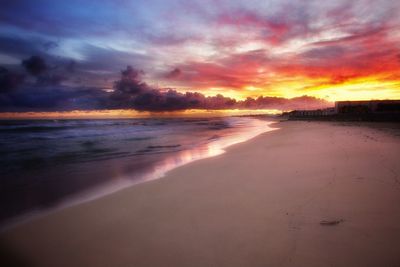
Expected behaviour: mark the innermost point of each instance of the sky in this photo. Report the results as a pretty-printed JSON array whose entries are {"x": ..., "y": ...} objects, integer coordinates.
[{"x": 67, "y": 55}]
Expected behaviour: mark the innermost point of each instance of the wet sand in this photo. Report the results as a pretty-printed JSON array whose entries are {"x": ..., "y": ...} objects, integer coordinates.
[{"x": 307, "y": 194}]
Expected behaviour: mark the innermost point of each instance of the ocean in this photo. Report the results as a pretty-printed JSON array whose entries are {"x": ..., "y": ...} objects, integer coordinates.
[{"x": 47, "y": 164}]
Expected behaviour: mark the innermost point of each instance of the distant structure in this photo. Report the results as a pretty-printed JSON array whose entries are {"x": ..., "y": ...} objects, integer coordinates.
[
  {"x": 312, "y": 113},
  {"x": 372, "y": 110},
  {"x": 373, "y": 106}
]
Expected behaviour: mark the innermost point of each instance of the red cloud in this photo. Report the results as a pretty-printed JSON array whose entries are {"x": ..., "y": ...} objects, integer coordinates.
[
  {"x": 272, "y": 30},
  {"x": 364, "y": 50}
]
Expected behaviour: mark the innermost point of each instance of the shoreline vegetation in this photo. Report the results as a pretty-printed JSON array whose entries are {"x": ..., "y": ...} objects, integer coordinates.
[{"x": 307, "y": 194}]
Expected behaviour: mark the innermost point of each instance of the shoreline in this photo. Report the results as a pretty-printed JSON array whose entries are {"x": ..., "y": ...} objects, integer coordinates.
[
  {"x": 308, "y": 194},
  {"x": 181, "y": 158}
]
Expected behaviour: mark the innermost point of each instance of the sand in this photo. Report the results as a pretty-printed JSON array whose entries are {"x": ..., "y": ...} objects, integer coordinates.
[{"x": 307, "y": 194}]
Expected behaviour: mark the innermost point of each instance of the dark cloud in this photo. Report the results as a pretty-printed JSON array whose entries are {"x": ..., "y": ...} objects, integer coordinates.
[
  {"x": 303, "y": 102},
  {"x": 44, "y": 66},
  {"x": 50, "y": 79},
  {"x": 155, "y": 100},
  {"x": 99, "y": 63},
  {"x": 19, "y": 47},
  {"x": 71, "y": 66},
  {"x": 170, "y": 100},
  {"x": 45, "y": 94},
  {"x": 128, "y": 87},
  {"x": 9, "y": 80},
  {"x": 35, "y": 65},
  {"x": 130, "y": 92},
  {"x": 45, "y": 75},
  {"x": 173, "y": 73},
  {"x": 54, "y": 98}
]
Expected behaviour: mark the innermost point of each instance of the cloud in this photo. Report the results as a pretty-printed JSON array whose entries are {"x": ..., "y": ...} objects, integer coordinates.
[
  {"x": 324, "y": 53},
  {"x": 273, "y": 29},
  {"x": 173, "y": 73},
  {"x": 9, "y": 81},
  {"x": 96, "y": 64},
  {"x": 108, "y": 59},
  {"x": 128, "y": 88},
  {"x": 54, "y": 98},
  {"x": 236, "y": 70},
  {"x": 20, "y": 94},
  {"x": 48, "y": 45},
  {"x": 276, "y": 47},
  {"x": 280, "y": 103},
  {"x": 50, "y": 79},
  {"x": 131, "y": 92},
  {"x": 71, "y": 66},
  {"x": 19, "y": 47},
  {"x": 35, "y": 65}
]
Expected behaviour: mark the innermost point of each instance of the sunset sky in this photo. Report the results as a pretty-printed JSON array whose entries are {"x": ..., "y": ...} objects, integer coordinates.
[{"x": 334, "y": 50}]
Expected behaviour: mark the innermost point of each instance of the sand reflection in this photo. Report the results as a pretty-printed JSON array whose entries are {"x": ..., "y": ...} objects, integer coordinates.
[{"x": 211, "y": 148}]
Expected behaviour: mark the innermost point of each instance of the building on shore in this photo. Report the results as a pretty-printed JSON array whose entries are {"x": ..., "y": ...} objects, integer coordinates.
[
  {"x": 372, "y": 110},
  {"x": 311, "y": 113},
  {"x": 372, "y": 106}
]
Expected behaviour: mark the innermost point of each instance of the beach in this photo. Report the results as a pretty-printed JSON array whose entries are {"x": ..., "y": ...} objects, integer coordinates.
[
  {"x": 305, "y": 194},
  {"x": 50, "y": 164}
]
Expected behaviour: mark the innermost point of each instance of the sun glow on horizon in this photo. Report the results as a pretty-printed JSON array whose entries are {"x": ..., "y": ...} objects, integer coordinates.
[{"x": 360, "y": 88}]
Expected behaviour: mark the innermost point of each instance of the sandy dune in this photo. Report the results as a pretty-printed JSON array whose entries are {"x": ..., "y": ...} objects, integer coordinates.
[{"x": 307, "y": 194}]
